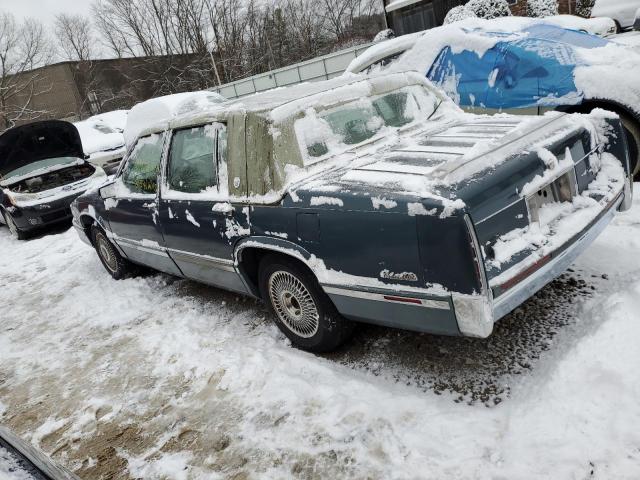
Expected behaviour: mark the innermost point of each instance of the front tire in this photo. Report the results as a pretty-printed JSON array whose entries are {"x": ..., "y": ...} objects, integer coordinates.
[
  {"x": 632, "y": 129},
  {"x": 117, "y": 266},
  {"x": 13, "y": 228},
  {"x": 302, "y": 311}
]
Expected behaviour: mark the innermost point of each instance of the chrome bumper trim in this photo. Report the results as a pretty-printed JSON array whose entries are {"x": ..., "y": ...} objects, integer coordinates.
[
  {"x": 380, "y": 297},
  {"x": 515, "y": 296}
]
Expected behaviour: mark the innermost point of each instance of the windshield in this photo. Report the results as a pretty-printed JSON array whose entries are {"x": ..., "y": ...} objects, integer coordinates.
[
  {"x": 40, "y": 164},
  {"x": 321, "y": 134}
]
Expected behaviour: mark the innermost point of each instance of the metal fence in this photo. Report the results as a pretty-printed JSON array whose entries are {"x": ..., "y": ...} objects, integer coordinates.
[{"x": 319, "y": 68}]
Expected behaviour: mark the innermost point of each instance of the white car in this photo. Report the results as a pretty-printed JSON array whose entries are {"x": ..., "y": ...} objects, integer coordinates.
[
  {"x": 103, "y": 139},
  {"x": 622, "y": 11}
]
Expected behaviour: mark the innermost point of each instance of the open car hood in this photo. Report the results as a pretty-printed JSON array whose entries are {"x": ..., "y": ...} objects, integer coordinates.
[{"x": 20, "y": 146}]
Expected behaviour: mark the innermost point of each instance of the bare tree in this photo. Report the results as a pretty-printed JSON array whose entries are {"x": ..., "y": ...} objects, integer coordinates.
[
  {"x": 23, "y": 47},
  {"x": 75, "y": 37}
]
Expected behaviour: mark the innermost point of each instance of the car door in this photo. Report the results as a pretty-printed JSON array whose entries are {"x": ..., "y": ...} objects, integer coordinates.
[
  {"x": 131, "y": 208},
  {"x": 199, "y": 223}
]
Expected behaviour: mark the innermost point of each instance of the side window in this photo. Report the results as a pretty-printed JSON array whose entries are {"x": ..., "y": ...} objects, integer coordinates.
[
  {"x": 192, "y": 163},
  {"x": 222, "y": 146},
  {"x": 140, "y": 174}
]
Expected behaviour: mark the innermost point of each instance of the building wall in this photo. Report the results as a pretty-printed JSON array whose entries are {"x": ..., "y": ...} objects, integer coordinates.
[
  {"x": 46, "y": 93},
  {"x": 425, "y": 14}
]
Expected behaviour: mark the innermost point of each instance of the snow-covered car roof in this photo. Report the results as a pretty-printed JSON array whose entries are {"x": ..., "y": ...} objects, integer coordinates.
[
  {"x": 184, "y": 109},
  {"x": 515, "y": 27},
  {"x": 155, "y": 114},
  {"x": 102, "y": 132}
]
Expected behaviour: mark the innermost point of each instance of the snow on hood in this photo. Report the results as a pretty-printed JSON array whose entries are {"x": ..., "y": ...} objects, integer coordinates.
[
  {"x": 103, "y": 132},
  {"x": 156, "y": 113},
  {"x": 20, "y": 146}
]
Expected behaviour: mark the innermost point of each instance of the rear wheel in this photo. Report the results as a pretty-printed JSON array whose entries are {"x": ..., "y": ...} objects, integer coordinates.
[
  {"x": 13, "y": 228},
  {"x": 303, "y": 312},
  {"x": 117, "y": 266},
  {"x": 632, "y": 129}
]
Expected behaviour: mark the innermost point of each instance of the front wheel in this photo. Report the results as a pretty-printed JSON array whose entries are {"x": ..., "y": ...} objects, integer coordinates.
[
  {"x": 117, "y": 266},
  {"x": 13, "y": 228},
  {"x": 303, "y": 312},
  {"x": 632, "y": 129}
]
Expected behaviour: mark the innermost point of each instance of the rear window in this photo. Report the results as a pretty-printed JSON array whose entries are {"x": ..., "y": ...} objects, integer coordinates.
[{"x": 321, "y": 134}]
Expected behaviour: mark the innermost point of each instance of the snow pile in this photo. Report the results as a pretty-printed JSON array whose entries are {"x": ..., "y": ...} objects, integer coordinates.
[
  {"x": 102, "y": 132},
  {"x": 542, "y": 8},
  {"x": 187, "y": 381},
  {"x": 489, "y": 8},
  {"x": 383, "y": 35},
  {"x": 461, "y": 12},
  {"x": 584, "y": 8}
]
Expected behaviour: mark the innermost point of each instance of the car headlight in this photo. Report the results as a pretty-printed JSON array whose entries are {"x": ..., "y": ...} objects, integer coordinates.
[{"x": 15, "y": 198}]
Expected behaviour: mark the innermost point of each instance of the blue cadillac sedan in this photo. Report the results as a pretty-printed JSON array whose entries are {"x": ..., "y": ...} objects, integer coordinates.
[
  {"x": 369, "y": 199},
  {"x": 520, "y": 66}
]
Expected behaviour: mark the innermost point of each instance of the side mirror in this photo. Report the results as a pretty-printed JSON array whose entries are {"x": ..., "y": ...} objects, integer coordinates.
[
  {"x": 108, "y": 191},
  {"x": 636, "y": 23}
]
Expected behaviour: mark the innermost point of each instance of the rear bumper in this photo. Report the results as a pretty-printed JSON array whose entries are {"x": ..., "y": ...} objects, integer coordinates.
[{"x": 559, "y": 261}]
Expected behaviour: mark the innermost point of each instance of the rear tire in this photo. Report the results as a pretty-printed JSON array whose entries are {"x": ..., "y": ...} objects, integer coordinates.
[
  {"x": 632, "y": 129},
  {"x": 301, "y": 309},
  {"x": 117, "y": 266},
  {"x": 13, "y": 228}
]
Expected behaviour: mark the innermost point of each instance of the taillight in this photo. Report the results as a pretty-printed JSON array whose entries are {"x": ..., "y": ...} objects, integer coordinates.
[{"x": 476, "y": 253}]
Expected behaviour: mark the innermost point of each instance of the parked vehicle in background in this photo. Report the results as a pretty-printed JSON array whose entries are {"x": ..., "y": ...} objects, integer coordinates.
[
  {"x": 42, "y": 170},
  {"x": 601, "y": 26},
  {"x": 621, "y": 11},
  {"x": 103, "y": 139},
  {"x": 518, "y": 66},
  {"x": 359, "y": 199}
]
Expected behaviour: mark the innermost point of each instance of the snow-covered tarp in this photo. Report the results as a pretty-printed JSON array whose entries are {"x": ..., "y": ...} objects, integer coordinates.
[{"x": 477, "y": 57}]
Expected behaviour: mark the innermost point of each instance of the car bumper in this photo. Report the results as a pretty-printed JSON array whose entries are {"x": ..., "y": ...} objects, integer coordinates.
[
  {"x": 560, "y": 260},
  {"x": 44, "y": 214},
  {"x": 459, "y": 314}
]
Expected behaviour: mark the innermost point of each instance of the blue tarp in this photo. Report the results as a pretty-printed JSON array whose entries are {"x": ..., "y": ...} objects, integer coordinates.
[{"x": 533, "y": 70}]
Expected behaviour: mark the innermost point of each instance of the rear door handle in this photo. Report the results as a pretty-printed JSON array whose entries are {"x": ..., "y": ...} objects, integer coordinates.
[{"x": 223, "y": 207}]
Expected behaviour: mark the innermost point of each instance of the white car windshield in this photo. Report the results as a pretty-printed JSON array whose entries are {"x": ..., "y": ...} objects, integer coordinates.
[
  {"x": 322, "y": 134},
  {"x": 39, "y": 165}
]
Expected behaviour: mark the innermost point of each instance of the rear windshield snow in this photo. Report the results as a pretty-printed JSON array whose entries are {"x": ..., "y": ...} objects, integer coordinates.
[
  {"x": 45, "y": 164},
  {"x": 322, "y": 134}
]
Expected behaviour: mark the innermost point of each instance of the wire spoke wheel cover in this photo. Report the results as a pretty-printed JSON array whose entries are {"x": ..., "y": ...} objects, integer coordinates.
[
  {"x": 293, "y": 304},
  {"x": 106, "y": 252}
]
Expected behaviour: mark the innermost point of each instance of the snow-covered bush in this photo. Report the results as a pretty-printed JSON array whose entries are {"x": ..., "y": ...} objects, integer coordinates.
[
  {"x": 489, "y": 8},
  {"x": 383, "y": 35},
  {"x": 542, "y": 8},
  {"x": 458, "y": 13},
  {"x": 584, "y": 7}
]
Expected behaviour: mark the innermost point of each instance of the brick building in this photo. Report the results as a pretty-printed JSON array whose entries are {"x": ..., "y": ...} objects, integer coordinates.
[
  {"x": 408, "y": 16},
  {"x": 76, "y": 90}
]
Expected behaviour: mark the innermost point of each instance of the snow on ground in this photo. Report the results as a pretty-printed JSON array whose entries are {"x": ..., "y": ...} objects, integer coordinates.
[
  {"x": 155, "y": 377},
  {"x": 10, "y": 468}
]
